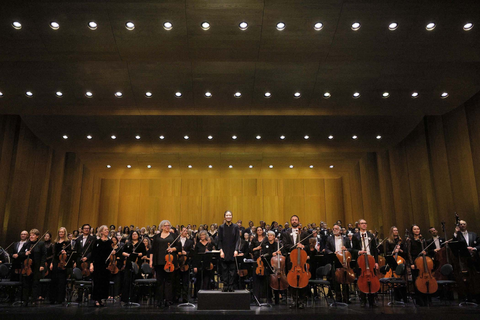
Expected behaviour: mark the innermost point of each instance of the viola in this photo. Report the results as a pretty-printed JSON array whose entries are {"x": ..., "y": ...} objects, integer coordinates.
[
  {"x": 85, "y": 266},
  {"x": 112, "y": 265},
  {"x": 367, "y": 282},
  {"x": 182, "y": 262},
  {"x": 169, "y": 266},
  {"x": 260, "y": 270},
  {"x": 278, "y": 279},
  {"x": 345, "y": 274},
  {"x": 63, "y": 258},
  {"x": 298, "y": 275},
  {"x": 426, "y": 282}
]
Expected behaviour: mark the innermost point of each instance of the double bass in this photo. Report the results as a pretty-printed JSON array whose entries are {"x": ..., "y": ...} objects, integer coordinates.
[
  {"x": 426, "y": 282},
  {"x": 299, "y": 273},
  {"x": 368, "y": 281},
  {"x": 278, "y": 279},
  {"x": 442, "y": 257}
]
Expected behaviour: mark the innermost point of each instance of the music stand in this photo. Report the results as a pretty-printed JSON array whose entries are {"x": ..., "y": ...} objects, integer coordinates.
[
  {"x": 392, "y": 263},
  {"x": 215, "y": 258},
  {"x": 332, "y": 257},
  {"x": 462, "y": 251},
  {"x": 189, "y": 304},
  {"x": 244, "y": 265}
]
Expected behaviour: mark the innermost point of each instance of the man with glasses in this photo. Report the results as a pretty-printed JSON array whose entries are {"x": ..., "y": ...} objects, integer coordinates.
[
  {"x": 83, "y": 245},
  {"x": 17, "y": 262}
]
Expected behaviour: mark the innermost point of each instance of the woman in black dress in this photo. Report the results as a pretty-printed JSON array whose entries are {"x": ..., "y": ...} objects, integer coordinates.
[
  {"x": 255, "y": 249},
  {"x": 414, "y": 249},
  {"x": 269, "y": 249},
  {"x": 101, "y": 276},
  {"x": 133, "y": 251},
  {"x": 59, "y": 272},
  {"x": 202, "y": 246},
  {"x": 163, "y": 243}
]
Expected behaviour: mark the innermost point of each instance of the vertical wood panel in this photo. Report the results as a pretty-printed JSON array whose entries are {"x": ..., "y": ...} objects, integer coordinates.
[{"x": 334, "y": 200}]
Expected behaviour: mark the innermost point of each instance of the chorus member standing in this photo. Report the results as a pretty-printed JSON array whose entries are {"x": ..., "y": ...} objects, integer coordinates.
[
  {"x": 58, "y": 285},
  {"x": 101, "y": 250},
  {"x": 133, "y": 251},
  {"x": 364, "y": 242},
  {"x": 34, "y": 250},
  {"x": 83, "y": 246},
  {"x": 184, "y": 255},
  {"x": 164, "y": 243},
  {"x": 228, "y": 235},
  {"x": 291, "y": 239}
]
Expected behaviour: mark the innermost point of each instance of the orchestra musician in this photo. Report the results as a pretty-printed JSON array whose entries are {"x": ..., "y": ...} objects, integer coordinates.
[
  {"x": 101, "y": 250},
  {"x": 268, "y": 250},
  {"x": 228, "y": 237},
  {"x": 16, "y": 261},
  {"x": 59, "y": 271},
  {"x": 364, "y": 242},
  {"x": 291, "y": 240},
  {"x": 83, "y": 245},
  {"x": 392, "y": 245},
  {"x": 36, "y": 253},
  {"x": 185, "y": 254},
  {"x": 202, "y": 246},
  {"x": 133, "y": 250},
  {"x": 414, "y": 249},
  {"x": 164, "y": 243}
]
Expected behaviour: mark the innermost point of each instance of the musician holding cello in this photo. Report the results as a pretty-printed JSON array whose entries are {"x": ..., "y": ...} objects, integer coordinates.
[
  {"x": 365, "y": 247},
  {"x": 33, "y": 255},
  {"x": 415, "y": 249},
  {"x": 292, "y": 240},
  {"x": 61, "y": 253},
  {"x": 165, "y": 246}
]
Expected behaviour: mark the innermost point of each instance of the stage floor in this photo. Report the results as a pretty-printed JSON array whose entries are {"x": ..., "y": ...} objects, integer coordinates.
[{"x": 437, "y": 311}]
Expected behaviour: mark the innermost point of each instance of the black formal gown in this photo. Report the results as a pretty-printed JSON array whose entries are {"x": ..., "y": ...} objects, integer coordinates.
[{"x": 101, "y": 276}]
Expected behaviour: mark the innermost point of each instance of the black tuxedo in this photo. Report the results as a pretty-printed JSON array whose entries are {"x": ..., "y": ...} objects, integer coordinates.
[
  {"x": 431, "y": 249},
  {"x": 287, "y": 239},
  {"x": 357, "y": 244},
  {"x": 473, "y": 240},
  {"x": 330, "y": 244},
  {"x": 17, "y": 263},
  {"x": 84, "y": 250}
]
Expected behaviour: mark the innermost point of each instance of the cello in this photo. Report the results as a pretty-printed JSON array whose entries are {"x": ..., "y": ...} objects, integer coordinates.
[
  {"x": 367, "y": 282},
  {"x": 299, "y": 273},
  {"x": 345, "y": 275},
  {"x": 278, "y": 279},
  {"x": 426, "y": 282}
]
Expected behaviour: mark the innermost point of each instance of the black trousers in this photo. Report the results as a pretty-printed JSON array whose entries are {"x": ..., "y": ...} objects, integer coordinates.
[
  {"x": 101, "y": 282},
  {"x": 164, "y": 285},
  {"x": 31, "y": 286},
  {"x": 228, "y": 273}
]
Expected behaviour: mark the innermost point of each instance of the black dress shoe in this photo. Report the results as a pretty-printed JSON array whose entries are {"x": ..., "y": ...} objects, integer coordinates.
[{"x": 225, "y": 289}]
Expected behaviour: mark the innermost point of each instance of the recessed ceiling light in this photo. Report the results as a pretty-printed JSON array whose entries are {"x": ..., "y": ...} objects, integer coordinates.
[
  {"x": 137, "y": 137},
  {"x": 258, "y": 137},
  {"x": 267, "y": 94},
  {"x": 444, "y": 95},
  {"x": 129, "y": 166},
  {"x": 186, "y": 137},
  {"x": 331, "y": 166},
  {"x": 385, "y": 95},
  {"x": 355, "y": 26},
  {"x": 356, "y": 95},
  {"x": 59, "y": 94},
  {"x": 270, "y": 166},
  {"x": 65, "y": 137},
  {"x": 149, "y": 166},
  {"x": 148, "y": 94},
  {"x": 130, "y": 25},
  {"x": 414, "y": 95},
  {"x": 234, "y": 137},
  {"x": 88, "y": 94},
  {"x": 29, "y": 94},
  {"x": 54, "y": 25},
  {"x": 208, "y": 94},
  {"x": 169, "y": 166},
  {"x": 281, "y": 26},
  {"x": 178, "y": 94},
  {"x": 210, "y": 137},
  {"x": 89, "y": 137},
  {"x": 162, "y": 137},
  {"x": 243, "y": 25},
  {"x": 1, "y": 94},
  {"x": 297, "y": 95},
  {"x": 237, "y": 94},
  {"x": 167, "y": 25},
  {"x": 468, "y": 26},
  {"x": 210, "y": 166},
  {"x": 430, "y": 26},
  {"x": 327, "y": 95},
  {"x": 330, "y": 137},
  {"x": 109, "y": 166},
  {"x": 393, "y": 26},
  {"x": 92, "y": 25},
  {"x": 17, "y": 25},
  {"x": 230, "y": 166},
  {"x": 118, "y": 94},
  {"x": 311, "y": 166},
  {"x": 354, "y": 137},
  {"x": 291, "y": 166},
  {"x": 282, "y": 137},
  {"x": 318, "y": 26},
  {"x": 379, "y": 137},
  {"x": 306, "y": 137},
  {"x": 189, "y": 166},
  {"x": 205, "y": 25},
  {"x": 250, "y": 166},
  {"x": 113, "y": 137}
]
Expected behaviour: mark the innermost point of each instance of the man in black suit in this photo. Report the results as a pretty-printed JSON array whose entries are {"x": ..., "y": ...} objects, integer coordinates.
[
  {"x": 291, "y": 239},
  {"x": 16, "y": 261},
  {"x": 83, "y": 245},
  {"x": 364, "y": 242},
  {"x": 183, "y": 278},
  {"x": 438, "y": 242},
  {"x": 337, "y": 243}
]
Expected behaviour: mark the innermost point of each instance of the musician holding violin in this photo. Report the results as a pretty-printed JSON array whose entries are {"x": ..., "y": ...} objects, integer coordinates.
[
  {"x": 83, "y": 249},
  {"x": 165, "y": 246},
  {"x": 33, "y": 255},
  {"x": 101, "y": 252},
  {"x": 133, "y": 250},
  {"x": 339, "y": 245},
  {"x": 184, "y": 257},
  {"x": 62, "y": 251},
  {"x": 259, "y": 278}
]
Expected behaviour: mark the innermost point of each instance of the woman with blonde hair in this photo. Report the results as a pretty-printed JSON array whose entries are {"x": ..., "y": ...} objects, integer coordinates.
[
  {"x": 102, "y": 248},
  {"x": 59, "y": 270}
]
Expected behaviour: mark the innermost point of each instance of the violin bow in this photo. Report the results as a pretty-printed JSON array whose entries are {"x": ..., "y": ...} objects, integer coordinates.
[{"x": 38, "y": 241}]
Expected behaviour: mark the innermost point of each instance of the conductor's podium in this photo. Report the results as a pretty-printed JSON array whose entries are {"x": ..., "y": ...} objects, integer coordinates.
[{"x": 217, "y": 300}]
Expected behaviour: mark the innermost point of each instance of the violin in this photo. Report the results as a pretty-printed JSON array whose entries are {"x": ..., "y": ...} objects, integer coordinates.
[
  {"x": 345, "y": 275},
  {"x": 169, "y": 267},
  {"x": 27, "y": 264},
  {"x": 85, "y": 266},
  {"x": 182, "y": 262},
  {"x": 391, "y": 273},
  {"x": 426, "y": 282},
  {"x": 367, "y": 282},
  {"x": 63, "y": 258},
  {"x": 112, "y": 265},
  {"x": 299, "y": 273},
  {"x": 260, "y": 270},
  {"x": 278, "y": 279}
]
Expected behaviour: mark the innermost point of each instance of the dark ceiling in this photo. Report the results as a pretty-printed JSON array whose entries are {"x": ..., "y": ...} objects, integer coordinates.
[{"x": 224, "y": 60}]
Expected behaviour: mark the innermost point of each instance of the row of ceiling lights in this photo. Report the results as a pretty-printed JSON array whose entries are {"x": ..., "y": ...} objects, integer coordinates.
[
  {"x": 210, "y": 137},
  {"x": 210, "y": 166},
  {"x": 205, "y": 25},
  {"x": 208, "y": 94}
]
